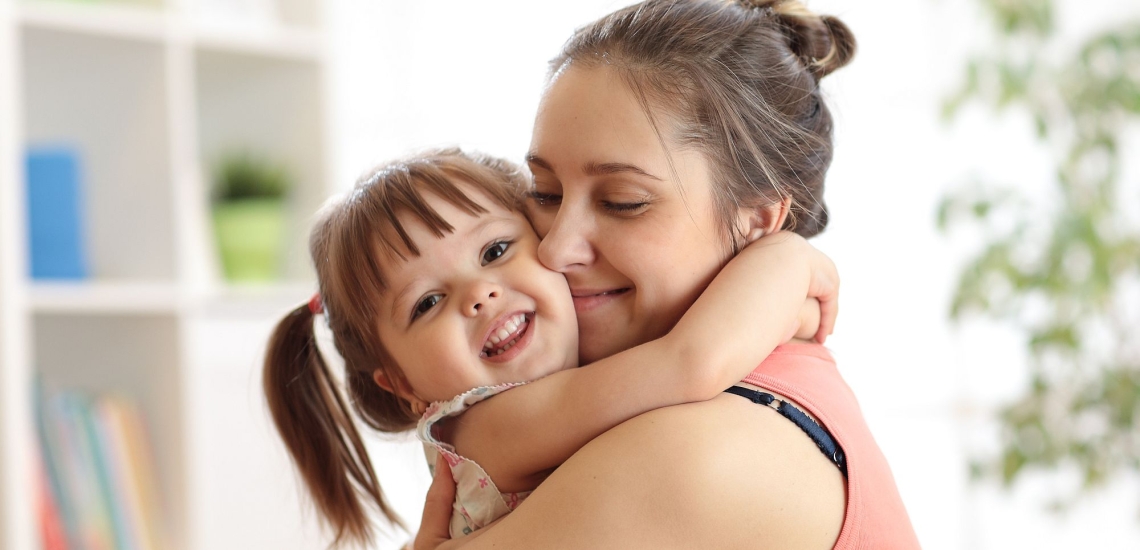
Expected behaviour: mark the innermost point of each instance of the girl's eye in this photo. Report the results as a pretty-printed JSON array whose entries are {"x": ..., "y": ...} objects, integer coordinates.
[
  {"x": 495, "y": 251},
  {"x": 624, "y": 207},
  {"x": 426, "y": 304},
  {"x": 545, "y": 199}
]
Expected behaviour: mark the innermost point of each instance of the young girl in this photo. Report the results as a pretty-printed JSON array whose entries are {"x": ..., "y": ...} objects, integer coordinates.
[{"x": 431, "y": 286}]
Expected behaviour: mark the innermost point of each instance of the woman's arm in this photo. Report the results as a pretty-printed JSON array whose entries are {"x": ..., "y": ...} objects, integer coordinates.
[
  {"x": 683, "y": 477},
  {"x": 752, "y": 306}
]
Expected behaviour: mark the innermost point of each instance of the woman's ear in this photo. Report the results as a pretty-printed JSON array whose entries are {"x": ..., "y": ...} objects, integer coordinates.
[{"x": 757, "y": 221}]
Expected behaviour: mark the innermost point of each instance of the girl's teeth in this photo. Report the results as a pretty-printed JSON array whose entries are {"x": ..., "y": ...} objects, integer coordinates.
[{"x": 508, "y": 328}]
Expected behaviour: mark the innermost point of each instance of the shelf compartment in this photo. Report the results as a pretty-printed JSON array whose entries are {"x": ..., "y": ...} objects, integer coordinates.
[
  {"x": 269, "y": 107},
  {"x": 137, "y": 358},
  {"x": 109, "y": 19},
  {"x": 107, "y": 99}
]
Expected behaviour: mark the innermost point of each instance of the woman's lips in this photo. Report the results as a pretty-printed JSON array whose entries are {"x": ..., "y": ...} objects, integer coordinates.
[{"x": 589, "y": 300}]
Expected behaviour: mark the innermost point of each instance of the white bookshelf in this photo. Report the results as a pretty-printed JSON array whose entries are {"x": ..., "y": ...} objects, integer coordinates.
[{"x": 150, "y": 93}]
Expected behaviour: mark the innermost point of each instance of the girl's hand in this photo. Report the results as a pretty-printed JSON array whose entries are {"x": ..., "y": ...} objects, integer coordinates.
[
  {"x": 824, "y": 288},
  {"x": 820, "y": 309},
  {"x": 437, "y": 510}
]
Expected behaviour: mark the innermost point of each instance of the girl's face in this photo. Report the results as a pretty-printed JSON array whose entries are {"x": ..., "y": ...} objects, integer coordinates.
[
  {"x": 637, "y": 239},
  {"x": 475, "y": 308}
]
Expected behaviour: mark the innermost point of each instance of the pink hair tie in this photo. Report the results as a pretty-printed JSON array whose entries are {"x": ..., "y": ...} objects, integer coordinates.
[{"x": 315, "y": 305}]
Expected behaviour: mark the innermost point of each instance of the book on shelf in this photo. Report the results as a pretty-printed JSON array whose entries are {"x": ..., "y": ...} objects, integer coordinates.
[
  {"x": 55, "y": 201},
  {"x": 53, "y": 535},
  {"x": 99, "y": 486}
]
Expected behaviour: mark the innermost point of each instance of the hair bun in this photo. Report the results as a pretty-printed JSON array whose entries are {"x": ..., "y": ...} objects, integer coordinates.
[
  {"x": 842, "y": 47},
  {"x": 823, "y": 43}
]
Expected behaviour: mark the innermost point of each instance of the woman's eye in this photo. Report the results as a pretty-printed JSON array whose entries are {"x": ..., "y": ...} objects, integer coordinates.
[
  {"x": 426, "y": 304},
  {"x": 624, "y": 207},
  {"x": 545, "y": 199},
  {"x": 495, "y": 251}
]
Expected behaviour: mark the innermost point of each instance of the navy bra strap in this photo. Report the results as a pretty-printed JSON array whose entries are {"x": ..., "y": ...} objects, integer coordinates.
[{"x": 818, "y": 435}]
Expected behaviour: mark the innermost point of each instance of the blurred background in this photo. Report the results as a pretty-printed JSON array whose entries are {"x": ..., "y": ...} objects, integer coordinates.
[{"x": 160, "y": 162}]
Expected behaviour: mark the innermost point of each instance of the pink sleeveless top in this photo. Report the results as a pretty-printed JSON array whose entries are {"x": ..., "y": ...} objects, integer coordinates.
[{"x": 807, "y": 375}]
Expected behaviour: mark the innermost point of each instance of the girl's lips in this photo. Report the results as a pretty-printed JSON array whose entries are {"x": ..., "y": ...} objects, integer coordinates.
[
  {"x": 524, "y": 339},
  {"x": 588, "y": 300}
]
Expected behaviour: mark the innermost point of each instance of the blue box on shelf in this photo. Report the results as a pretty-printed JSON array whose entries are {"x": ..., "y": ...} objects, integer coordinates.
[{"x": 56, "y": 224}]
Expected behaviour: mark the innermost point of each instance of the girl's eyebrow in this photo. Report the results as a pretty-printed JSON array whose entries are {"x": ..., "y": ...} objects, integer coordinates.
[
  {"x": 397, "y": 300},
  {"x": 487, "y": 220}
]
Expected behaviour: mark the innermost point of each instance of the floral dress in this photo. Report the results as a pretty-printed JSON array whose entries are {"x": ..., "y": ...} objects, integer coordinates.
[{"x": 478, "y": 501}]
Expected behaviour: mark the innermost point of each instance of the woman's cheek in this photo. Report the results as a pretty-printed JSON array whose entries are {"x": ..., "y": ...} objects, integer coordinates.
[{"x": 540, "y": 219}]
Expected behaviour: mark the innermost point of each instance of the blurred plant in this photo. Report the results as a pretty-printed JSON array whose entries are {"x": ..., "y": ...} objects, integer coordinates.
[
  {"x": 247, "y": 176},
  {"x": 1061, "y": 275}
]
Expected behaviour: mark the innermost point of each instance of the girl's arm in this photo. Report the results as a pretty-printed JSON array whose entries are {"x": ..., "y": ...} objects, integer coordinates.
[{"x": 752, "y": 306}]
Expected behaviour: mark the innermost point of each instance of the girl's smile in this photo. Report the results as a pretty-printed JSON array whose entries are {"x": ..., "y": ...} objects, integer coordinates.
[{"x": 508, "y": 337}]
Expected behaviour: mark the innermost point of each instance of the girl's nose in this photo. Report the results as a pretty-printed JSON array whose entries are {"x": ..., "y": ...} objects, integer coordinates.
[
  {"x": 479, "y": 295},
  {"x": 568, "y": 245}
]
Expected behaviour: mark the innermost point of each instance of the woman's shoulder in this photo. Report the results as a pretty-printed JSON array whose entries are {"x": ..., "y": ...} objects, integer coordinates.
[{"x": 723, "y": 463}]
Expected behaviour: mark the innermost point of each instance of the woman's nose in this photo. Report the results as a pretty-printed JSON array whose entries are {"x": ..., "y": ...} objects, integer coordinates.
[
  {"x": 568, "y": 244},
  {"x": 479, "y": 295}
]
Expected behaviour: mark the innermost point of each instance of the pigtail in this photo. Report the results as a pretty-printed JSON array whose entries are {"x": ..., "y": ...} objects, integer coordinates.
[{"x": 318, "y": 431}]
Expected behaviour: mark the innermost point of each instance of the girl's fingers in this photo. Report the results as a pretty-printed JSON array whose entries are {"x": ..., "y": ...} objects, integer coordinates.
[
  {"x": 828, "y": 311},
  {"x": 437, "y": 509}
]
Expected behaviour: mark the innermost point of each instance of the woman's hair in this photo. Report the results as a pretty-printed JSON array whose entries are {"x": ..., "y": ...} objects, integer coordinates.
[
  {"x": 739, "y": 81},
  {"x": 346, "y": 243}
]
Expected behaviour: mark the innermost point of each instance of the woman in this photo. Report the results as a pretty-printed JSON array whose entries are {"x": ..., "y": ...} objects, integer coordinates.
[{"x": 670, "y": 132}]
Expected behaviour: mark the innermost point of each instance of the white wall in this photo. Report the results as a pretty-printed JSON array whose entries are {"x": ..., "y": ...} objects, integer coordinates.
[{"x": 409, "y": 75}]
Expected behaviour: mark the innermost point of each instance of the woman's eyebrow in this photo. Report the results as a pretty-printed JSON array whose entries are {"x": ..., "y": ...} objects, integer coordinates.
[
  {"x": 596, "y": 168},
  {"x": 538, "y": 161},
  {"x": 607, "y": 168}
]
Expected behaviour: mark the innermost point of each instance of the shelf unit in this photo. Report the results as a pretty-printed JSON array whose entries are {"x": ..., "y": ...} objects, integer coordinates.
[{"x": 151, "y": 93}]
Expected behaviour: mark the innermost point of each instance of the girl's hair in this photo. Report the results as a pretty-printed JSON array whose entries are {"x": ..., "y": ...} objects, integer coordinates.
[
  {"x": 346, "y": 243},
  {"x": 740, "y": 81}
]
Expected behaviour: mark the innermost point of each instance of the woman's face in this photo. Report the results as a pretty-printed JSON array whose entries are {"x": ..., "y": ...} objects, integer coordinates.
[{"x": 637, "y": 239}]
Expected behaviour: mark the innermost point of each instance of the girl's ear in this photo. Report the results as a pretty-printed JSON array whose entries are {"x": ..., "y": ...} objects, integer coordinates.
[
  {"x": 381, "y": 380},
  {"x": 397, "y": 386},
  {"x": 757, "y": 221}
]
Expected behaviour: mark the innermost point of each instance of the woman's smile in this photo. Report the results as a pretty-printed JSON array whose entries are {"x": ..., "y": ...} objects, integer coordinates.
[{"x": 587, "y": 300}]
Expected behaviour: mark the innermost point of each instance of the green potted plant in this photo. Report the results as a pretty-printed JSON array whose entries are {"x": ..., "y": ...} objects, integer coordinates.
[{"x": 249, "y": 195}]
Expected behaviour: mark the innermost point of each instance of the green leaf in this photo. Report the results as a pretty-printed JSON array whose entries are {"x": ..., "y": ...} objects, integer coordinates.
[{"x": 1057, "y": 276}]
